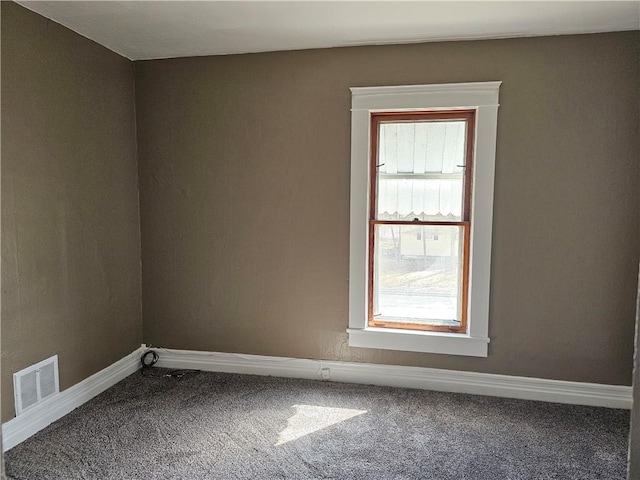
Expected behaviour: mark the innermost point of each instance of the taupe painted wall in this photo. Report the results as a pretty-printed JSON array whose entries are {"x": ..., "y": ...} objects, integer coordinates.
[
  {"x": 634, "y": 436},
  {"x": 244, "y": 178},
  {"x": 70, "y": 216}
]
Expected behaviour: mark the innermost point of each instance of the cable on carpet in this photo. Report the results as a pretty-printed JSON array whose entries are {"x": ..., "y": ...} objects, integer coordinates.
[{"x": 151, "y": 357}]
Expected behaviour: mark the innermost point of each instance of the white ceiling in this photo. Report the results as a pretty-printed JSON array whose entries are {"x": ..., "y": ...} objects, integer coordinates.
[{"x": 163, "y": 29}]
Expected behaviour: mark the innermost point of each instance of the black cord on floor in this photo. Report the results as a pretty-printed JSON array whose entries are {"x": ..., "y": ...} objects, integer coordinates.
[{"x": 150, "y": 358}]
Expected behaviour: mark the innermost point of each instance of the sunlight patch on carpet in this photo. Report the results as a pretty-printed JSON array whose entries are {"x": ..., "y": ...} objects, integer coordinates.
[{"x": 311, "y": 418}]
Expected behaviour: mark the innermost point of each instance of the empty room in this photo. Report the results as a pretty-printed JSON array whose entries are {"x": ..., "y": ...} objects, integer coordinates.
[{"x": 323, "y": 240}]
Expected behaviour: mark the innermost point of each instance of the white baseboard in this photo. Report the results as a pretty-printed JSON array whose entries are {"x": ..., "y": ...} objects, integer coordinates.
[
  {"x": 557, "y": 391},
  {"x": 35, "y": 419},
  {"x": 38, "y": 417}
]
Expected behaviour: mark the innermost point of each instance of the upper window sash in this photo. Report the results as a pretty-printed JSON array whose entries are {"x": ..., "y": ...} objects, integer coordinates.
[{"x": 451, "y": 132}]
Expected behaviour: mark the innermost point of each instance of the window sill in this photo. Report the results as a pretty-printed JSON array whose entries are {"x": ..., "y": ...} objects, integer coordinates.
[{"x": 418, "y": 341}]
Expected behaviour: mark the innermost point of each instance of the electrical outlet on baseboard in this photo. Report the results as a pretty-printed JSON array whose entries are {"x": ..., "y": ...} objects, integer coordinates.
[{"x": 325, "y": 373}]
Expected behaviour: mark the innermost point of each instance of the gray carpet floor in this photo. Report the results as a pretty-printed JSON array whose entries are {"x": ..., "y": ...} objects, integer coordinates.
[{"x": 226, "y": 426}]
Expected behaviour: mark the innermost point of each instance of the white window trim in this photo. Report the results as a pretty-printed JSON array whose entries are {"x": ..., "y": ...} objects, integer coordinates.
[{"x": 483, "y": 97}]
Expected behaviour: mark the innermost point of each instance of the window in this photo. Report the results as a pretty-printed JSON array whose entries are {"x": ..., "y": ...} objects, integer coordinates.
[
  {"x": 419, "y": 220},
  {"x": 422, "y": 172}
]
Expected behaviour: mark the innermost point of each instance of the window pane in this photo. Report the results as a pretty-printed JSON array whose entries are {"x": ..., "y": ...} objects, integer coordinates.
[
  {"x": 420, "y": 173},
  {"x": 418, "y": 274}
]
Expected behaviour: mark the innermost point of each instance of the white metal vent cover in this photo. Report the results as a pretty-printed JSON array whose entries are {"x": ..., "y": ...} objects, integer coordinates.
[{"x": 33, "y": 384}]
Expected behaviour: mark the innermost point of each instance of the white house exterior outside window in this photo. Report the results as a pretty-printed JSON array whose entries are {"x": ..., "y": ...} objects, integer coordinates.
[{"x": 422, "y": 171}]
